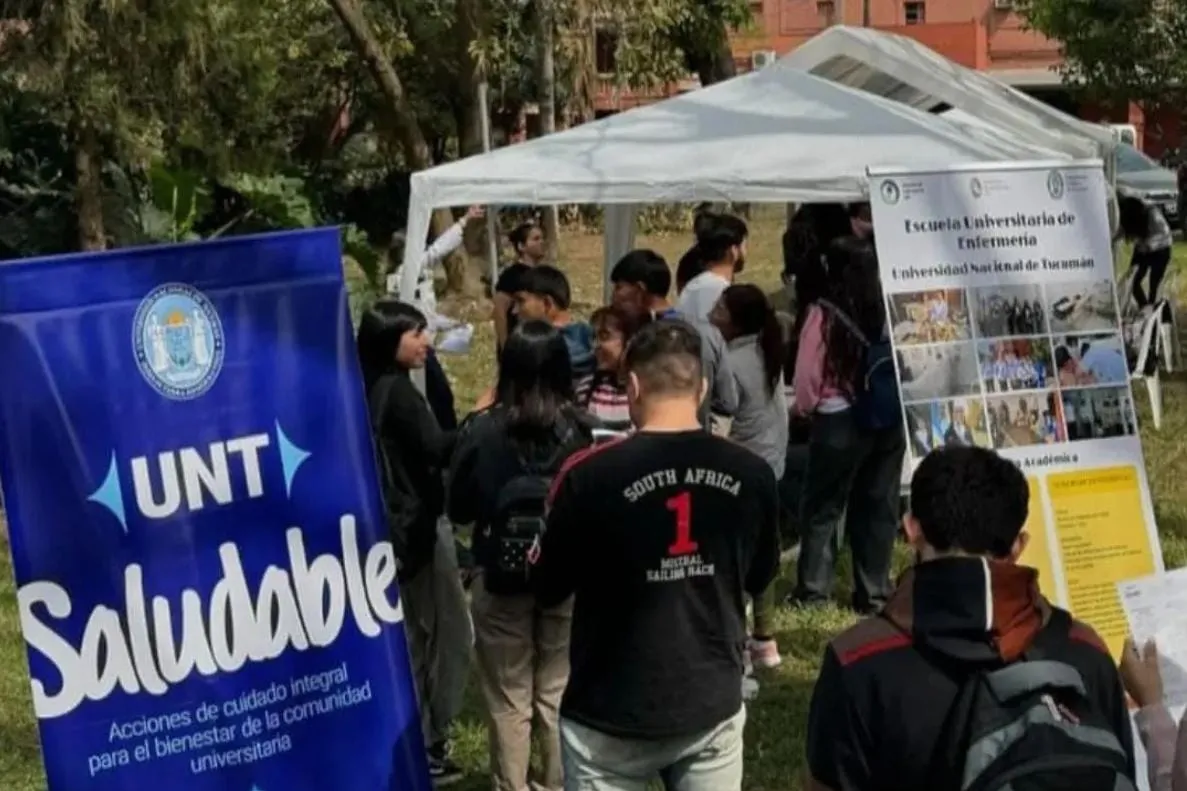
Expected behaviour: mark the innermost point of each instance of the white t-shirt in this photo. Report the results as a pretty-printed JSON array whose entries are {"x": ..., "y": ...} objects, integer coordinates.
[{"x": 700, "y": 295}]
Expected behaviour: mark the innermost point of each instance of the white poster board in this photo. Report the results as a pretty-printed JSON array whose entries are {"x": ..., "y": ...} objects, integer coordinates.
[{"x": 1000, "y": 291}]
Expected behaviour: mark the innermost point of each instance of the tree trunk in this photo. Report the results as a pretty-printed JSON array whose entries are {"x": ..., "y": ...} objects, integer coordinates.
[
  {"x": 711, "y": 59},
  {"x": 467, "y": 275},
  {"x": 411, "y": 139},
  {"x": 546, "y": 80},
  {"x": 89, "y": 190},
  {"x": 470, "y": 27},
  {"x": 581, "y": 50}
]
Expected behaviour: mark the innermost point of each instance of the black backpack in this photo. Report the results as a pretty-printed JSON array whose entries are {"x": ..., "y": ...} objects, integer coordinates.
[
  {"x": 876, "y": 405},
  {"x": 1029, "y": 726},
  {"x": 518, "y": 519}
]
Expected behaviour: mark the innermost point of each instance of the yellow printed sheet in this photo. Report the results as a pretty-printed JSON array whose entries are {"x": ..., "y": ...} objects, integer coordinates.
[
  {"x": 1037, "y": 554},
  {"x": 1100, "y": 526}
]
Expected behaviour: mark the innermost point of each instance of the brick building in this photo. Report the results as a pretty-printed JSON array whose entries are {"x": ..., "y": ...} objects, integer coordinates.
[{"x": 982, "y": 34}]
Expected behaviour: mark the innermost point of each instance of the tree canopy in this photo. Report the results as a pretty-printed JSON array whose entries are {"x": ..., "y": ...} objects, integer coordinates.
[
  {"x": 1119, "y": 50},
  {"x": 130, "y": 121}
]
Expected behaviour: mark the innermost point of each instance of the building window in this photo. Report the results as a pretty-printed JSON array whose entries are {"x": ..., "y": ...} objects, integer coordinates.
[
  {"x": 606, "y": 51},
  {"x": 826, "y": 12},
  {"x": 913, "y": 13}
]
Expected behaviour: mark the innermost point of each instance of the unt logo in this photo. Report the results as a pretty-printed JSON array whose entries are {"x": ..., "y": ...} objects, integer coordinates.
[{"x": 194, "y": 478}]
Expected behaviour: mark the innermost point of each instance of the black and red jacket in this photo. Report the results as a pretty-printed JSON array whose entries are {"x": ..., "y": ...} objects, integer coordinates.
[{"x": 879, "y": 705}]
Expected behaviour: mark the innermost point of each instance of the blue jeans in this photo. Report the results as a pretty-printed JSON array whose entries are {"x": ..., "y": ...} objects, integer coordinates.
[
  {"x": 851, "y": 489},
  {"x": 707, "y": 761}
]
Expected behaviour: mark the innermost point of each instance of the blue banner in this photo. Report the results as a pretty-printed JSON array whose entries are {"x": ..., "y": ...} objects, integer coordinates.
[{"x": 196, "y": 523}]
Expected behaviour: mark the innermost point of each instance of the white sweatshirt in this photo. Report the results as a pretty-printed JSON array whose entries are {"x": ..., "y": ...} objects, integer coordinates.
[{"x": 441, "y": 248}]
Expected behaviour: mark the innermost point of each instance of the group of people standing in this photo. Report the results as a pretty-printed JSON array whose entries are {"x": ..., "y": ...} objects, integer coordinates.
[{"x": 627, "y": 479}]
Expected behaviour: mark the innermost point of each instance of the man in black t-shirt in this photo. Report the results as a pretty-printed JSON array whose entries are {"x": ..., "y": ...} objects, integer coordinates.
[
  {"x": 527, "y": 239},
  {"x": 660, "y": 536}
]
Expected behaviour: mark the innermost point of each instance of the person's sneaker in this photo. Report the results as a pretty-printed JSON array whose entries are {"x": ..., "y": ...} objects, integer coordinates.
[
  {"x": 442, "y": 771},
  {"x": 764, "y": 653}
]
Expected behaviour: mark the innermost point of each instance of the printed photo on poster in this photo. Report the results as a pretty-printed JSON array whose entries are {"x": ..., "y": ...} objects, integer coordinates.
[
  {"x": 1084, "y": 360},
  {"x": 942, "y": 371},
  {"x": 930, "y": 316},
  {"x": 1030, "y": 419},
  {"x": 1081, "y": 307},
  {"x": 1012, "y": 364},
  {"x": 1099, "y": 412},
  {"x": 940, "y": 424},
  {"x": 1009, "y": 310}
]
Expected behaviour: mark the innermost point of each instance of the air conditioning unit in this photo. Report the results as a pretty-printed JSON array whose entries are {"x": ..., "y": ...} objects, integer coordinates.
[
  {"x": 1003, "y": 5},
  {"x": 762, "y": 58}
]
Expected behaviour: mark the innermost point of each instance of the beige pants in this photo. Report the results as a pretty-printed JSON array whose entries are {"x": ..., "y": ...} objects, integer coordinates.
[{"x": 523, "y": 666}]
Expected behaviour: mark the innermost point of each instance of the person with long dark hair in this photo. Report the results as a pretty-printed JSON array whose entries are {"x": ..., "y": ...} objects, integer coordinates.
[
  {"x": 1144, "y": 225},
  {"x": 809, "y": 234},
  {"x": 748, "y": 323},
  {"x": 499, "y": 481},
  {"x": 805, "y": 281},
  {"x": 853, "y": 474},
  {"x": 413, "y": 452}
]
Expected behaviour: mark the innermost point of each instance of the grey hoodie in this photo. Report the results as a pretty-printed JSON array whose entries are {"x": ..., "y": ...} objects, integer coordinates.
[{"x": 760, "y": 423}]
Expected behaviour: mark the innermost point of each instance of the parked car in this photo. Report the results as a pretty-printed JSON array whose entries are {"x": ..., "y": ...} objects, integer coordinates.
[{"x": 1143, "y": 177}]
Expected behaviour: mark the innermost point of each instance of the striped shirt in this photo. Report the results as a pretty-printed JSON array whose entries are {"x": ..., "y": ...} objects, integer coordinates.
[{"x": 605, "y": 399}]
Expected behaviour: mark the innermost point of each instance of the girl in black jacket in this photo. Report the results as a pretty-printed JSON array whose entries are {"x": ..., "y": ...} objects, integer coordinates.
[
  {"x": 413, "y": 453},
  {"x": 413, "y": 448}
]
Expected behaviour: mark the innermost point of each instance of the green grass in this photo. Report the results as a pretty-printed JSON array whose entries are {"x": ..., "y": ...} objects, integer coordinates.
[{"x": 777, "y": 720}]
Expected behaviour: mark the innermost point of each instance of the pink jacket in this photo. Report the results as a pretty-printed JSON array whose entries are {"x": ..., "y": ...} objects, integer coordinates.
[{"x": 813, "y": 391}]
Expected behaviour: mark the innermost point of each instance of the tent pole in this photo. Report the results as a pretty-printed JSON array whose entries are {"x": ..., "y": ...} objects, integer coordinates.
[{"x": 492, "y": 221}]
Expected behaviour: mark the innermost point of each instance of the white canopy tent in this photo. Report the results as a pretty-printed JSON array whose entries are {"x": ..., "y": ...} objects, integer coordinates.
[
  {"x": 902, "y": 69},
  {"x": 774, "y": 135}
]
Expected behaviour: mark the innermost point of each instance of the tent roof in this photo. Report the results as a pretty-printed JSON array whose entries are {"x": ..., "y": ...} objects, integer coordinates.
[
  {"x": 902, "y": 69},
  {"x": 776, "y": 134}
]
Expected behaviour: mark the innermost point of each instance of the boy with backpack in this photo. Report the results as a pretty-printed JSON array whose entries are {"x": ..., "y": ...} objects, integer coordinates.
[{"x": 969, "y": 679}]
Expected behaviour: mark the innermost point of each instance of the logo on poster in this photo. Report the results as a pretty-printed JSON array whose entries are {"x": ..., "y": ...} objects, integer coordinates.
[
  {"x": 976, "y": 187},
  {"x": 890, "y": 192},
  {"x": 178, "y": 340},
  {"x": 1055, "y": 185}
]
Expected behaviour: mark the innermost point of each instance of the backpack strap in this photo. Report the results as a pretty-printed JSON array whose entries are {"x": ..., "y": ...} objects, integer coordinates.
[
  {"x": 946, "y": 768},
  {"x": 844, "y": 318},
  {"x": 1053, "y": 634}
]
